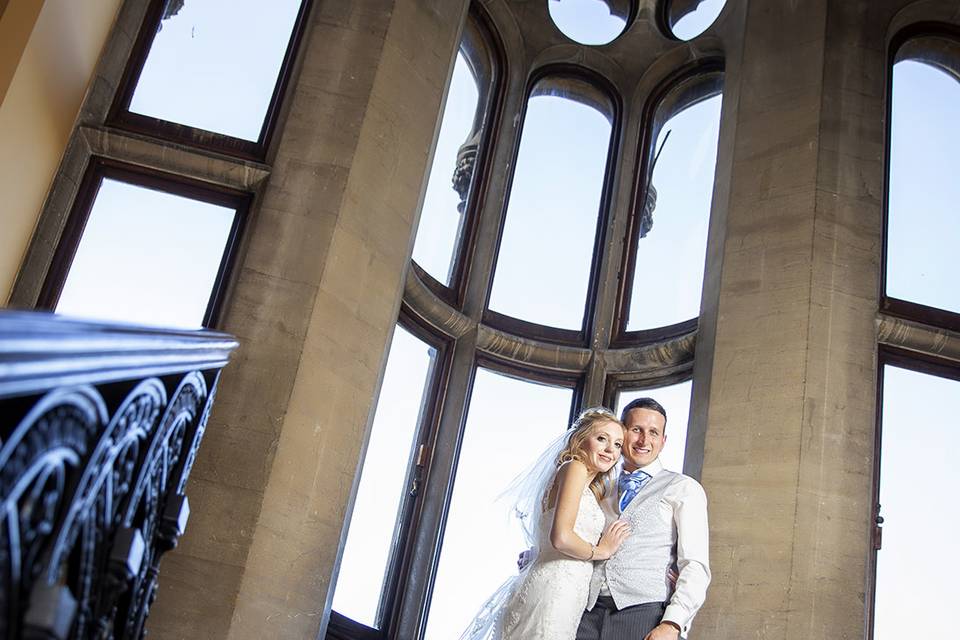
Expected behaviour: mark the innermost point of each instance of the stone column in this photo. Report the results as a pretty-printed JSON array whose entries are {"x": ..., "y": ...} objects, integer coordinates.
[
  {"x": 789, "y": 447},
  {"x": 315, "y": 306}
]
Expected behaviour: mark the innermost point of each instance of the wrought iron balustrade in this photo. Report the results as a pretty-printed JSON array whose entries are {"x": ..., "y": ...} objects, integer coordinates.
[{"x": 99, "y": 428}]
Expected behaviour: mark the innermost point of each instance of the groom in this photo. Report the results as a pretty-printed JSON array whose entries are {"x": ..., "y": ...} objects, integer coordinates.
[{"x": 631, "y": 597}]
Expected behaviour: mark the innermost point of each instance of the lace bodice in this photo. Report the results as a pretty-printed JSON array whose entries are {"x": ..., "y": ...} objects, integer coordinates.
[
  {"x": 589, "y": 524},
  {"x": 552, "y": 596}
]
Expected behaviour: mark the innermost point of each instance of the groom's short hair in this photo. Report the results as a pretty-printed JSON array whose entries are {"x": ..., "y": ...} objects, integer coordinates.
[{"x": 644, "y": 403}]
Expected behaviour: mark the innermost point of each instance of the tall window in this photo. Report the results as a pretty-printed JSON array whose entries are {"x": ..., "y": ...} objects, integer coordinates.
[
  {"x": 918, "y": 427},
  {"x": 923, "y": 227},
  {"x": 145, "y": 248},
  {"x": 449, "y": 209},
  {"x": 362, "y": 591},
  {"x": 918, "y": 476},
  {"x": 441, "y": 217},
  {"x": 211, "y": 72},
  {"x": 558, "y": 184},
  {"x": 155, "y": 248},
  {"x": 669, "y": 237},
  {"x": 510, "y": 422}
]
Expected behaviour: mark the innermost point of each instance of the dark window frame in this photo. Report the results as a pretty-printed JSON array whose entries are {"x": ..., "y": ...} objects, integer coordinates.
[
  {"x": 701, "y": 76},
  {"x": 632, "y": 9},
  {"x": 666, "y": 18},
  {"x": 121, "y": 117},
  {"x": 480, "y": 40},
  {"x": 615, "y": 383},
  {"x": 888, "y": 304},
  {"x": 605, "y": 89},
  {"x": 911, "y": 361},
  {"x": 100, "y": 168},
  {"x": 341, "y": 627}
]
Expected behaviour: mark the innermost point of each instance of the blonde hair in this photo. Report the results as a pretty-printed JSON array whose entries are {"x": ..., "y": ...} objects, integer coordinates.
[{"x": 583, "y": 427}]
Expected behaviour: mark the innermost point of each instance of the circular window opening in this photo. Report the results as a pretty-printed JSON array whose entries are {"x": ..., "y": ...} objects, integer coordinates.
[
  {"x": 590, "y": 21},
  {"x": 687, "y": 19}
]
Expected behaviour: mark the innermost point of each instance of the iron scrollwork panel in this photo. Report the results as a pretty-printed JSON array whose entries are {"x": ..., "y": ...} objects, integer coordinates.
[{"x": 92, "y": 484}]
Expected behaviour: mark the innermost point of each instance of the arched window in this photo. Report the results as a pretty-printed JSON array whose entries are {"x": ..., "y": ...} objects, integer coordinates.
[
  {"x": 559, "y": 183},
  {"x": 918, "y": 384},
  {"x": 448, "y": 213},
  {"x": 687, "y": 19},
  {"x": 668, "y": 235},
  {"x": 923, "y": 227}
]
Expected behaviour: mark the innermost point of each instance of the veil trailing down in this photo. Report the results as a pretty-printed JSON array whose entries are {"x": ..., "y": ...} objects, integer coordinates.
[
  {"x": 547, "y": 597},
  {"x": 526, "y": 494}
]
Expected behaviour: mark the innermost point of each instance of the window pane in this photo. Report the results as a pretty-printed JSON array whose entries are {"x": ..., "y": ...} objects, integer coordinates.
[
  {"x": 146, "y": 256},
  {"x": 509, "y": 424},
  {"x": 543, "y": 266},
  {"x": 372, "y": 533},
  {"x": 441, "y": 218},
  {"x": 916, "y": 568},
  {"x": 923, "y": 222},
  {"x": 676, "y": 400},
  {"x": 668, "y": 277},
  {"x": 214, "y": 64},
  {"x": 700, "y": 14},
  {"x": 590, "y": 21}
]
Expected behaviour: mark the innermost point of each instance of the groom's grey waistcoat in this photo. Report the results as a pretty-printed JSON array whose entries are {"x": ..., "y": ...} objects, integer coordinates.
[{"x": 637, "y": 572}]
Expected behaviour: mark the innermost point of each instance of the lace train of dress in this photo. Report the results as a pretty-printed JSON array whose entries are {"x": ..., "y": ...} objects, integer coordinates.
[{"x": 546, "y": 600}]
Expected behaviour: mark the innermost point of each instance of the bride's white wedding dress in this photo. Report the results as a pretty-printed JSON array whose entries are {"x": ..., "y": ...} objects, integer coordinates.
[{"x": 547, "y": 599}]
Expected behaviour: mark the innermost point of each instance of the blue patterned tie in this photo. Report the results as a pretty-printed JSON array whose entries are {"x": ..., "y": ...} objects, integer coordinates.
[{"x": 629, "y": 484}]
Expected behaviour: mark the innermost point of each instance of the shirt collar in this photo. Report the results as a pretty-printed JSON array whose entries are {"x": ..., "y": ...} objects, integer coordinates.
[{"x": 651, "y": 469}]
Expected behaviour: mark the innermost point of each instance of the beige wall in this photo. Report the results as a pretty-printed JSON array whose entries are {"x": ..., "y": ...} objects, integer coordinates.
[
  {"x": 48, "y": 51},
  {"x": 16, "y": 25}
]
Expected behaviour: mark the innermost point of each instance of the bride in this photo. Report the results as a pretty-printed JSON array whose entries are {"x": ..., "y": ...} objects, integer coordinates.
[{"x": 559, "y": 506}]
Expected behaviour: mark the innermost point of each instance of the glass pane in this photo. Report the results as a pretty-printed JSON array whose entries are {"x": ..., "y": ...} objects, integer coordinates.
[
  {"x": 441, "y": 218},
  {"x": 214, "y": 64},
  {"x": 918, "y": 480},
  {"x": 676, "y": 400},
  {"x": 366, "y": 555},
  {"x": 690, "y": 18},
  {"x": 146, "y": 256},
  {"x": 923, "y": 226},
  {"x": 590, "y": 21},
  {"x": 543, "y": 266},
  {"x": 482, "y": 538},
  {"x": 668, "y": 277}
]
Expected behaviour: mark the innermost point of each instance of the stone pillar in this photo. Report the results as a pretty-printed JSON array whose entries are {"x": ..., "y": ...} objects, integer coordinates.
[
  {"x": 789, "y": 448},
  {"x": 314, "y": 307}
]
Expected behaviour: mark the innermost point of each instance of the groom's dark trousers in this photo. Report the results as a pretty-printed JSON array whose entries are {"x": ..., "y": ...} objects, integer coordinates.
[{"x": 606, "y": 622}]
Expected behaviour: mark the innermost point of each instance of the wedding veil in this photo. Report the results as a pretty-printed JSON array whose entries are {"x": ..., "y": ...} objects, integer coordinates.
[{"x": 527, "y": 495}]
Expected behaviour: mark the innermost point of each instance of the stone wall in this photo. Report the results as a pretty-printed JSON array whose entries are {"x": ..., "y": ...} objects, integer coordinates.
[{"x": 314, "y": 307}]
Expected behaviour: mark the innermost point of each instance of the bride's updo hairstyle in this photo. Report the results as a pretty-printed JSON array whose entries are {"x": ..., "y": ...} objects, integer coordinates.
[{"x": 582, "y": 428}]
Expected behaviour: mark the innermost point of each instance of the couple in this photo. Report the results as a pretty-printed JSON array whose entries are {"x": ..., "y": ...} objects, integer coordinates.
[{"x": 615, "y": 557}]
